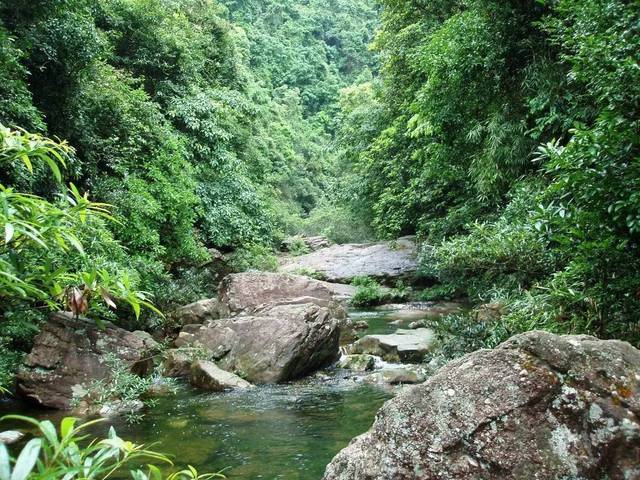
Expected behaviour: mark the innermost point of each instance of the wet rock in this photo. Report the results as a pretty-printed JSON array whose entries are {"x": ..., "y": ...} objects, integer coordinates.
[
  {"x": 116, "y": 407},
  {"x": 539, "y": 406},
  {"x": 341, "y": 263},
  {"x": 395, "y": 376},
  {"x": 276, "y": 344},
  {"x": 361, "y": 325},
  {"x": 406, "y": 346},
  {"x": 69, "y": 354},
  {"x": 358, "y": 363},
  {"x": 198, "y": 312},
  {"x": 208, "y": 376},
  {"x": 10, "y": 437},
  {"x": 177, "y": 363}
]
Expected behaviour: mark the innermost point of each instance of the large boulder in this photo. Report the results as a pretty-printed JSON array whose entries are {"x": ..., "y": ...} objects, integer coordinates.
[
  {"x": 244, "y": 293},
  {"x": 406, "y": 346},
  {"x": 70, "y": 353},
  {"x": 275, "y": 344},
  {"x": 207, "y": 376},
  {"x": 540, "y": 406},
  {"x": 341, "y": 263}
]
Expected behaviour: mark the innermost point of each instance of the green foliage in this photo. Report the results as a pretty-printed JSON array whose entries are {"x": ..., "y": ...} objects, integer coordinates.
[
  {"x": 35, "y": 230},
  {"x": 310, "y": 272},
  {"x": 61, "y": 454},
  {"x": 296, "y": 246},
  {"x": 254, "y": 257},
  {"x": 506, "y": 135},
  {"x": 368, "y": 293},
  {"x": 459, "y": 334},
  {"x": 338, "y": 224}
]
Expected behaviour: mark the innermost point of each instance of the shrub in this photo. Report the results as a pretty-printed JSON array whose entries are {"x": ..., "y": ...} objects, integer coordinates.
[
  {"x": 368, "y": 293},
  {"x": 338, "y": 224},
  {"x": 297, "y": 246},
  {"x": 54, "y": 455},
  {"x": 254, "y": 257}
]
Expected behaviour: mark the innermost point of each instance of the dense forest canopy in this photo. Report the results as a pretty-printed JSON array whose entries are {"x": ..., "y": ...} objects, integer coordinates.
[{"x": 504, "y": 134}]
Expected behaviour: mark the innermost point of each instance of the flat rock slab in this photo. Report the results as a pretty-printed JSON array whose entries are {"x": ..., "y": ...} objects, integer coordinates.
[
  {"x": 539, "y": 406},
  {"x": 407, "y": 346},
  {"x": 341, "y": 263},
  {"x": 208, "y": 376}
]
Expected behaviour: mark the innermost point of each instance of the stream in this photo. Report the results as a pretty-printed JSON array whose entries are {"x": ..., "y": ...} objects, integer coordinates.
[{"x": 289, "y": 431}]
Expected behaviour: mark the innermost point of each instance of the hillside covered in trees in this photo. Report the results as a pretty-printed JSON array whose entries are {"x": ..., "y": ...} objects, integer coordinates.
[{"x": 149, "y": 148}]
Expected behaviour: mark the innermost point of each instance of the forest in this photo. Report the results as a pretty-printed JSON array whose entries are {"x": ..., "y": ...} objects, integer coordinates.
[{"x": 143, "y": 140}]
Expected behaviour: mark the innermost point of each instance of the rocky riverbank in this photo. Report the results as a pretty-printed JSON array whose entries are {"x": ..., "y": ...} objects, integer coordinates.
[{"x": 538, "y": 406}]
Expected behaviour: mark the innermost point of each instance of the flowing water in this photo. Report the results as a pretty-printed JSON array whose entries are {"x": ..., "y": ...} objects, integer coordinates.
[{"x": 288, "y": 431}]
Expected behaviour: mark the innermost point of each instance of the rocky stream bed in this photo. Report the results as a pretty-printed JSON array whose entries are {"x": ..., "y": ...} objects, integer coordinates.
[{"x": 276, "y": 376}]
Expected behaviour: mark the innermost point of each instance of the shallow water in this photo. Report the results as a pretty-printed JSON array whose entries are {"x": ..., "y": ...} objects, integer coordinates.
[{"x": 289, "y": 431}]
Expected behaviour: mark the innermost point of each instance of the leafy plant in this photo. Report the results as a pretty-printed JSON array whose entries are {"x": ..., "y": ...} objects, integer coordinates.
[
  {"x": 54, "y": 455},
  {"x": 368, "y": 293},
  {"x": 254, "y": 257},
  {"x": 296, "y": 246}
]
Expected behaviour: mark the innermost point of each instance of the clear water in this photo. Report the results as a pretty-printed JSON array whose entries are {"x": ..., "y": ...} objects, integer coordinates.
[{"x": 289, "y": 431}]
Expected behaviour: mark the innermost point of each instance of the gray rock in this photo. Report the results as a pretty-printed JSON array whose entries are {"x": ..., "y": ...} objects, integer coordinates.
[
  {"x": 197, "y": 312},
  {"x": 358, "y": 363},
  {"x": 69, "y": 354},
  {"x": 208, "y": 376},
  {"x": 276, "y": 344},
  {"x": 177, "y": 363},
  {"x": 540, "y": 406},
  {"x": 341, "y": 263},
  {"x": 407, "y": 346},
  {"x": 10, "y": 437},
  {"x": 395, "y": 376},
  {"x": 361, "y": 325}
]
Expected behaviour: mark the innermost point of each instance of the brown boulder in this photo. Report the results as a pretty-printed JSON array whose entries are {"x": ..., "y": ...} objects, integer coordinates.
[
  {"x": 277, "y": 344},
  {"x": 244, "y": 293},
  {"x": 539, "y": 406},
  {"x": 69, "y": 354}
]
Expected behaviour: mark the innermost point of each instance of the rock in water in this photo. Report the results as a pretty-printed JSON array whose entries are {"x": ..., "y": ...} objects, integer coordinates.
[
  {"x": 358, "y": 363},
  {"x": 395, "y": 376},
  {"x": 276, "y": 344},
  {"x": 208, "y": 376},
  {"x": 407, "y": 346},
  {"x": 68, "y": 354},
  {"x": 540, "y": 406},
  {"x": 341, "y": 263}
]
